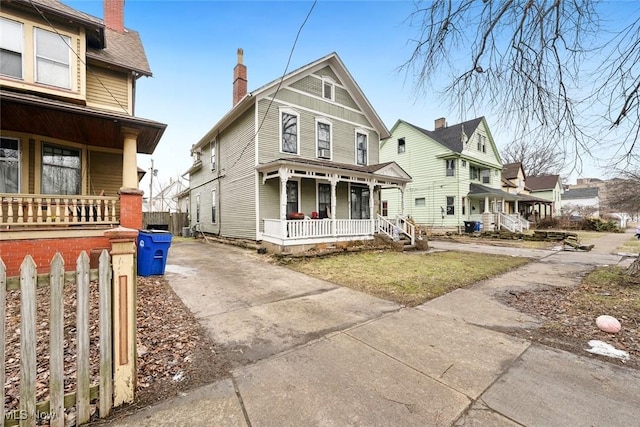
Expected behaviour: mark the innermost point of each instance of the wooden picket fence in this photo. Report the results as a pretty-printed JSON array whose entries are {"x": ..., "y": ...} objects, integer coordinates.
[{"x": 30, "y": 411}]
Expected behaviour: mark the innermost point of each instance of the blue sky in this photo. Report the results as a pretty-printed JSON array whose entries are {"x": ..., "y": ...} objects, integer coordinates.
[{"x": 191, "y": 47}]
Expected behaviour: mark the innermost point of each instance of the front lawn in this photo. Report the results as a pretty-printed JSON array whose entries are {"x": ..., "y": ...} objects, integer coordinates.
[{"x": 407, "y": 278}]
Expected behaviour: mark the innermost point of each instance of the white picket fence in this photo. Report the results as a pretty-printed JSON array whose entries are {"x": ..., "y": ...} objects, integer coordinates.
[{"x": 53, "y": 408}]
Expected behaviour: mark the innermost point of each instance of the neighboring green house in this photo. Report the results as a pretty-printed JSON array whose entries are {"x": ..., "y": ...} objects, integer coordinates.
[
  {"x": 456, "y": 175},
  {"x": 549, "y": 188},
  {"x": 294, "y": 163}
]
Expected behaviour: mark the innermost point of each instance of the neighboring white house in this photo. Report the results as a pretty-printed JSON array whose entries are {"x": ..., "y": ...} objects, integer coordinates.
[
  {"x": 583, "y": 202},
  {"x": 165, "y": 199}
]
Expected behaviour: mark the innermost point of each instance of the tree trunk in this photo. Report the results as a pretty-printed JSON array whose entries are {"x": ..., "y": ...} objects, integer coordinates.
[{"x": 634, "y": 270}]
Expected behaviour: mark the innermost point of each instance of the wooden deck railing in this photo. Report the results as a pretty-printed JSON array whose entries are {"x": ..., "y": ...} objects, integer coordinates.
[{"x": 27, "y": 210}]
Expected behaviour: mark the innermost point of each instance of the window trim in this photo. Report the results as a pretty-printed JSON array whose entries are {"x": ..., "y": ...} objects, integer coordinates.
[
  {"x": 18, "y": 160},
  {"x": 318, "y": 210},
  {"x": 384, "y": 208},
  {"x": 366, "y": 134},
  {"x": 483, "y": 176},
  {"x": 452, "y": 211},
  {"x": 81, "y": 170},
  {"x": 329, "y": 81},
  {"x": 298, "y": 180},
  {"x": 21, "y": 52},
  {"x": 214, "y": 147},
  {"x": 280, "y": 130},
  {"x": 214, "y": 206},
  {"x": 402, "y": 143},
  {"x": 198, "y": 208},
  {"x": 451, "y": 162},
  {"x": 330, "y": 124},
  {"x": 69, "y": 63},
  {"x": 353, "y": 185},
  {"x": 423, "y": 202}
]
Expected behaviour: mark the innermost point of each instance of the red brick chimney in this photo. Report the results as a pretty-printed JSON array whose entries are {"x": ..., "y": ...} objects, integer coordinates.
[
  {"x": 239, "y": 79},
  {"x": 114, "y": 15},
  {"x": 440, "y": 123}
]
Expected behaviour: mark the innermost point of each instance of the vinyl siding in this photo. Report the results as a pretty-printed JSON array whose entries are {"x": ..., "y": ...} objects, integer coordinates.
[
  {"x": 328, "y": 72},
  {"x": 105, "y": 173},
  {"x": 429, "y": 178},
  {"x": 115, "y": 92},
  {"x": 491, "y": 155},
  {"x": 233, "y": 180},
  {"x": 343, "y": 131}
]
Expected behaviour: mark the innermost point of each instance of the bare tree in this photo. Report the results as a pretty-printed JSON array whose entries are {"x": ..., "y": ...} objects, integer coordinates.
[
  {"x": 623, "y": 193},
  {"x": 547, "y": 160},
  {"x": 555, "y": 72}
]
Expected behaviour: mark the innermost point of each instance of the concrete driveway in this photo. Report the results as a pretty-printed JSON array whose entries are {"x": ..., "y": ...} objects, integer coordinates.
[{"x": 255, "y": 309}]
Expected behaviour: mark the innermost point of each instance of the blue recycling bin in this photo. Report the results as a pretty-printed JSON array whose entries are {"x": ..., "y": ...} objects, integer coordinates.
[{"x": 153, "y": 247}]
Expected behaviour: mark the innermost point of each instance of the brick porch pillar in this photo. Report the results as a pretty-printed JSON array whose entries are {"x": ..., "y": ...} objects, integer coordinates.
[{"x": 131, "y": 208}]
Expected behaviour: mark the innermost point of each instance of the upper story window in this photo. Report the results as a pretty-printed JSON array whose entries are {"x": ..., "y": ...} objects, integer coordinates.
[
  {"x": 402, "y": 147},
  {"x": 323, "y": 138},
  {"x": 486, "y": 176},
  {"x": 328, "y": 89},
  {"x": 213, "y": 206},
  {"x": 361, "y": 148},
  {"x": 214, "y": 146},
  {"x": 61, "y": 170},
  {"x": 10, "y": 48},
  {"x": 289, "y": 131},
  {"x": 451, "y": 167},
  {"x": 482, "y": 143},
  {"x": 53, "y": 58},
  {"x": 9, "y": 165},
  {"x": 197, "y": 208}
]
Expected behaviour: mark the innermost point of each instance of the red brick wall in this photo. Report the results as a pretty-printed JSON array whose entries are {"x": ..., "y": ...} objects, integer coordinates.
[
  {"x": 43, "y": 250},
  {"x": 131, "y": 210}
]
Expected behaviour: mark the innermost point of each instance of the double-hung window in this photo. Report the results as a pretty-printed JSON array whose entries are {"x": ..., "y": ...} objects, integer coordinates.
[
  {"x": 61, "y": 170},
  {"x": 328, "y": 89},
  {"x": 197, "y": 208},
  {"x": 486, "y": 176},
  {"x": 10, "y": 48},
  {"x": 361, "y": 148},
  {"x": 402, "y": 147},
  {"x": 324, "y": 200},
  {"x": 9, "y": 165},
  {"x": 213, "y": 206},
  {"x": 214, "y": 146},
  {"x": 289, "y": 132},
  {"x": 53, "y": 58},
  {"x": 451, "y": 167},
  {"x": 323, "y": 132},
  {"x": 451, "y": 208}
]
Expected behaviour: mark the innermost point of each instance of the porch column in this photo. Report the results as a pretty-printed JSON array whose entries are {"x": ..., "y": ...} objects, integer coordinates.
[
  {"x": 129, "y": 163},
  {"x": 516, "y": 207},
  {"x": 284, "y": 177},
  {"x": 486, "y": 205},
  {"x": 371, "y": 208},
  {"x": 502, "y": 206},
  {"x": 333, "y": 179},
  {"x": 402, "y": 188}
]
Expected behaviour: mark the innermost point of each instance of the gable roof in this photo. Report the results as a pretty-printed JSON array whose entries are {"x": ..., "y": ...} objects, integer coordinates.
[
  {"x": 123, "y": 50},
  {"x": 338, "y": 67},
  {"x": 510, "y": 170},
  {"x": 542, "y": 182},
  {"x": 452, "y": 136},
  {"x": 580, "y": 193}
]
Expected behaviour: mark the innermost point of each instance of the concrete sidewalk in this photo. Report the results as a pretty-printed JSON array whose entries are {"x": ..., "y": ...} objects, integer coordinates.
[{"x": 357, "y": 360}]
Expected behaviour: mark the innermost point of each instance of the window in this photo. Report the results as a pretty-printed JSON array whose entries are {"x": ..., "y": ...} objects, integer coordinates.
[
  {"x": 292, "y": 197},
  {"x": 214, "y": 147},
  {"x": 385, "y": 208},
  {"x": 451, "y": 209},
  {"x": 10, "y": 48},
  {"x": 464, "y": 163},
  {"x": 324, "y": 200},
  {"x": 486, "y": 176},
  {"x": 61, "y": 170},
  {"x": 289, "y": 132},
  {"x": 474, "y": 173},
  {"x": 421, "y": 201},
  {"x": 328, "y": 89},
  {"x": 451, "y": 167},
  {"x": 213, "y": 206},
  {"x": 197, "y": 208},
  {"x": 401, "y": 146},
  {"x": 53, "y": 59},
  {"x": 464, "y": 205},
  {"x": 359, "y": 202},
  {"x": 323, "y": 135},
  {"x": 9, "y": 165},
  {"x": 361, "y": 147},
  {"x": 482, "y": 143}
]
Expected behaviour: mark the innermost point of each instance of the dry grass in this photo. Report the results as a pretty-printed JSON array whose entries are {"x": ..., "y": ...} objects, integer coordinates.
[
  {"x": 632, "y": 245},
  {"x": 406, "y": 278}
]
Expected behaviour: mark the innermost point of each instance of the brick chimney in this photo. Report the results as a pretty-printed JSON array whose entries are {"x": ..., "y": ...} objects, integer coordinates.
[
  {"x": 114, "y": 15},
  {"x": 239, "y": 79},
  {"x": 440, "y": 123}
]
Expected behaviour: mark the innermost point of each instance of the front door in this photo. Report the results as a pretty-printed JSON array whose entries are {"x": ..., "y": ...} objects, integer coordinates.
[
  {"x": 292, "y": 198},
  {"x": 360, "y": 202}
]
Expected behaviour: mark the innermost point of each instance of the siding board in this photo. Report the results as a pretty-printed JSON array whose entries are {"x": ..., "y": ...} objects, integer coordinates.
[{"x": 115, "y": 92}]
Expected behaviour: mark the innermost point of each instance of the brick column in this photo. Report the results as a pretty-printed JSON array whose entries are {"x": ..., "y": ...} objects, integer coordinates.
[
  {"x": 124, "y": 303},
  {"x": 131, "y": 208}
]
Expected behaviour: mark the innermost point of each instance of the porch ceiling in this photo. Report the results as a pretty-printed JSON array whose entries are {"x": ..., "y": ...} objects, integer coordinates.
[
  {"x": 76, "y": 123},
  {"x": 328, "y": 167}
]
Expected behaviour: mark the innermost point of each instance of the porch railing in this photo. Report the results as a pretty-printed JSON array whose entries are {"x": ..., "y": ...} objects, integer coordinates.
[
  {"x": 52, "y": 210},
  {"x": 513, "y": 222},
  {"x": 315, "y": 228},
  {"x": 401, "y": 225}
]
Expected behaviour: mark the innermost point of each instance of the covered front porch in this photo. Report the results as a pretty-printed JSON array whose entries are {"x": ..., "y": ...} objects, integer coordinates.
[
  {"x": 496, "y": 209},
  {"x": 305, "y": 202}
]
